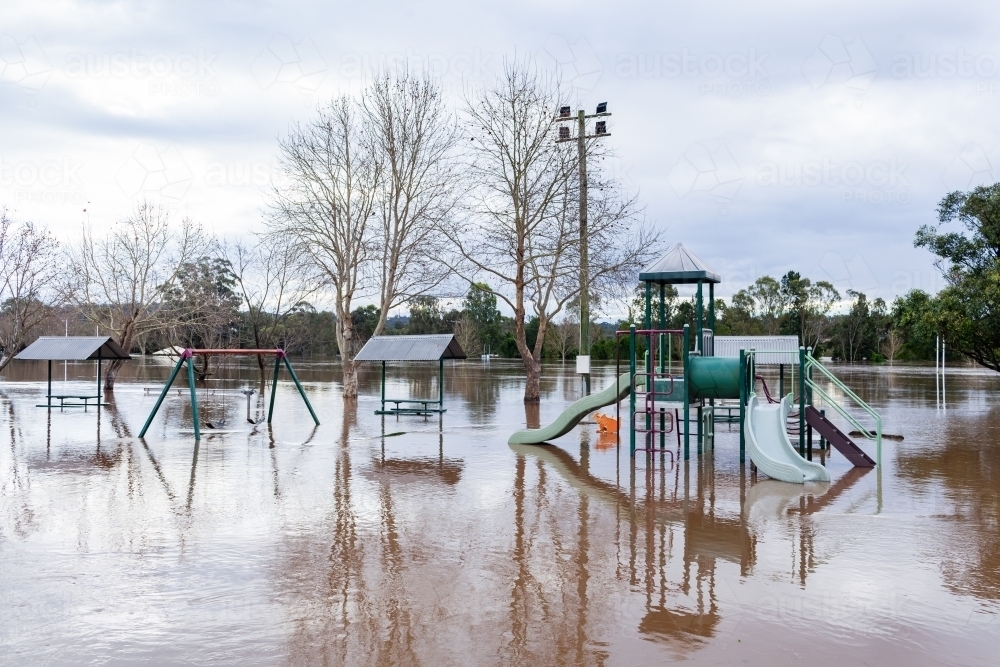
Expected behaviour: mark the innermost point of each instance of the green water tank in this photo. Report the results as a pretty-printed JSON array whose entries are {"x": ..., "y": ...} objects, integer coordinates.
[{"x": 714, "y": 377}]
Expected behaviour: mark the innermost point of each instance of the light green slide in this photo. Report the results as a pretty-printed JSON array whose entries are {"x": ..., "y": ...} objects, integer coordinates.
[{"x": 572, "y": 415}]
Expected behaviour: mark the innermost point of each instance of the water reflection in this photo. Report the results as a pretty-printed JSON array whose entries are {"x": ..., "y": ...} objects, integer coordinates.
[{"x": 370, "y": 541}]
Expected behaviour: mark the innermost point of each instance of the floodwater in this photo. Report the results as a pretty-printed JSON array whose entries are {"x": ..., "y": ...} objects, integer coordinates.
[{"x": 409, "y": 541}]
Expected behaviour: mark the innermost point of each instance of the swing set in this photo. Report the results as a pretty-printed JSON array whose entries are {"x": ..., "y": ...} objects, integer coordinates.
[{"x": 188, "y": 356}]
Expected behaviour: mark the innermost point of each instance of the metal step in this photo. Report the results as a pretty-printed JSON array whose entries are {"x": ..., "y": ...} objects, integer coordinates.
[{"x": 836, "y": 437}]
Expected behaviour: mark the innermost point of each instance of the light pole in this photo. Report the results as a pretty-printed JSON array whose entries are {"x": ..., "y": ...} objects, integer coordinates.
[{"x": 600, "y": 130}]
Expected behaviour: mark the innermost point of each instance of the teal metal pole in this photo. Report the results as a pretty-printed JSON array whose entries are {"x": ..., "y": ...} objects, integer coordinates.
[
  {"x": 744, "y": 397},
  {"x": 711, "y": 306},
  {"x": 194, "y": 399},
  {"x": 809, "y": 437},
  {"x": 163, "y": 394},
  {"x": 274, "y": 388},
  {"x": 441, "y": 383},
  {"x": 700, "y": 311},
  {"x": 781, "y": 380},
  {"x": 802, "y": 401},
  {"x": 631, "y": 392},
  {"x": 383, "y": 386},
  {"x": 663, "y": 323},
  {"x": 302, "y": 393},
  {"x": 687, "y": 392},
  {"x": 647, "y": 323},
  {"x": 48, "y": 396},
  {"x": 98, "y": 376}
]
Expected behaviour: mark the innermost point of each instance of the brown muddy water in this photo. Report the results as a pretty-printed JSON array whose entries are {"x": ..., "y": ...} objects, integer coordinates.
[{"x": 424, "y": 541}]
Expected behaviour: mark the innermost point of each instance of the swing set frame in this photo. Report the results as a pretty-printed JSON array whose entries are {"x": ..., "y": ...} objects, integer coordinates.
[{"x": 188, "y": 356}]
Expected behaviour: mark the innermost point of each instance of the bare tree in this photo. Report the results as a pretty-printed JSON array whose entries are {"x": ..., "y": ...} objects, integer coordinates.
[
  {"x": 117, "y": 282},
  {"x": 521, "y": 230},
  {"x": 333, "y": 181},
  {"x": 28, "y": 271},
  {"x": 274, "y": 279},
  {"x": 563, "y": 335},
  {"x": 413, "y": 134}
]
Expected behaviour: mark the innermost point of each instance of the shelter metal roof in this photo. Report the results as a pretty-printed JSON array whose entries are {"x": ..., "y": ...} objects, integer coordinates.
[
  {"x": 73, "y": 348},
  {"x": 679, "y": 266},
  {"x": 768, "y": 350},
  {"x": 429, "y": 347}
]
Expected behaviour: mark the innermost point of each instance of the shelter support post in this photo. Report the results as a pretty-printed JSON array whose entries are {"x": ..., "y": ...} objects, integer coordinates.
[
  {"x": 194, "y": 399},
  {"x": 700, "y": 307},
  {"x": 99, "y": 364},
  {"x": 274, "y": 387},
  {"x": 711, "y": 306},
  {"x": 48, "y": 395},
  {"x": 302, "y": 393},
  {"x": 383, "y": 386},
  {"x": 441, "y": 383},
  {"x": 163, "y": 394}
]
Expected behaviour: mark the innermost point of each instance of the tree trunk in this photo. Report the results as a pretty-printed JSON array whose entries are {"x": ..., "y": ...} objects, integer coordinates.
[
  {"x": 111, "y": 374},
  {"x": 345, "y": 341},
  {"x": 533, "y": 375}
]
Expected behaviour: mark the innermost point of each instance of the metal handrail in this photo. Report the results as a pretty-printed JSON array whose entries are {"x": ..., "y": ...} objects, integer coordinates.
[{"x": 811, "y": 362}]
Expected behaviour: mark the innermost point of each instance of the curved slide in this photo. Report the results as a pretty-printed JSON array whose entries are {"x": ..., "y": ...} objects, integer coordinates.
[
  {"x": 769, "y": 446},
  {"x": 576, "y": 411}
]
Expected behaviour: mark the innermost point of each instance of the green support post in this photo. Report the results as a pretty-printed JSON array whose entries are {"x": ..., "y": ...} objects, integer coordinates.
[
  {"x": 700, "y": 311},
  {"x": 744, "y": 397},
  {"x": 99, "y": 376},
  {"x": 687, "y": 392},
  {"x": 48, "y": 396},
  {"x": 159, "y": 401},
  {"x": 711, "y": 306},
  {"x": 663, "y": 323},
  {"x": 383, "y": 386},
  {"x": 302, "y": 393},
  {"x": 631, "y": 393},
  {"x": 647, "y": 323},
  {"x": 194, "y": 399},
  {"x": 274, "y": 387},
  {"x": 802, "y": 401},
  {"x": 441, "y": 383},
  {"x": 781, "y": 381}
]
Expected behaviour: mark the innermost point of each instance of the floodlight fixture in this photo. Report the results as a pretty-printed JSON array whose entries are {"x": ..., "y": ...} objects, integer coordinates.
[
  {"x": 564, "y": 112},
  {"x": 563, "y": 132},
  {"x": 602, "y": 107}
]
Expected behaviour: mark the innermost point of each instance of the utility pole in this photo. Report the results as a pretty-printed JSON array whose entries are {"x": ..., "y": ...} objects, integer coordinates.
[{"x": 600, "y": 130}]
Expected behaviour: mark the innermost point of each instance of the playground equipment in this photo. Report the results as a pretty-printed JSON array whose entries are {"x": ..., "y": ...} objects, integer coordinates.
[
  {"x": 73, "y": 348},
  {"x": 188, "y": 356},
  {"x": 672, "y": 366},
  {"x": 430, "y": 347}
]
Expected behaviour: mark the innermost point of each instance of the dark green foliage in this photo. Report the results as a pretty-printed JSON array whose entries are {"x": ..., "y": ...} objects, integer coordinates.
[{"x": 967, "y": 311}]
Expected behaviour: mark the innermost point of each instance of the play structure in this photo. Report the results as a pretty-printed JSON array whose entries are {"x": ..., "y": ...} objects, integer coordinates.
[
  {"x": 73, "y": 348},
  {"x": 427, "y": 347},
  {"x": 188, "y": 356},
  {"x": 680, "y": 371}
]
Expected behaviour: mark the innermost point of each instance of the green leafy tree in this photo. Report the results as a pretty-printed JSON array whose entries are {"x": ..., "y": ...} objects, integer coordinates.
[
  {"x": 481, "y": 306},
  {"x": 967, "y": 311}
]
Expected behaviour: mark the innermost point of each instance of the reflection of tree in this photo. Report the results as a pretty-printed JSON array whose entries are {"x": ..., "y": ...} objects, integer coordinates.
[{"x": 970, "y": 476}]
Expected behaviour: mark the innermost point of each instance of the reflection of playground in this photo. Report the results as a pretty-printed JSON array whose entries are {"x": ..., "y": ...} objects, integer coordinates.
[{"x": 683, "y": 610}]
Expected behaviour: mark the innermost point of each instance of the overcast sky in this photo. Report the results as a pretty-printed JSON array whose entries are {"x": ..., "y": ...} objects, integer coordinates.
[{"x": 766, "y": 136}]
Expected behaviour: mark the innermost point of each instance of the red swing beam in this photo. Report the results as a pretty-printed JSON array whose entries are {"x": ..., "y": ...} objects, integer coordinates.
[{"x": 189, "y": 353}]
